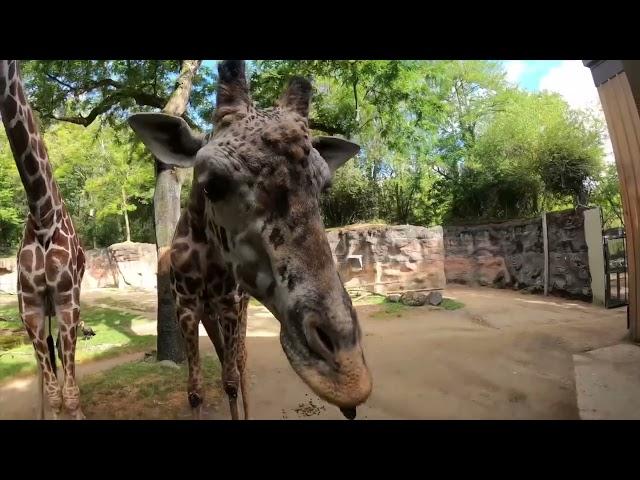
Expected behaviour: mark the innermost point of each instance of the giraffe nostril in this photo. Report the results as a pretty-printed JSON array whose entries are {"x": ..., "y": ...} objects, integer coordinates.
[
  {"x": 324, "y": 338},
  {"x": 319, "y": 340}
]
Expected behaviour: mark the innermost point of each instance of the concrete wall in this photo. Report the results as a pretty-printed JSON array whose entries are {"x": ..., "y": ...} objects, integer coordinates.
[{"x": 593, "y": 236}]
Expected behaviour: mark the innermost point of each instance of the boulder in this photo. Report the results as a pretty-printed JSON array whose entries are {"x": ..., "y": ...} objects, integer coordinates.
[
  {"x": 414, "y": 299},
  {"x": 394, "y": 297},
  {"x": 434, "y": 298}
]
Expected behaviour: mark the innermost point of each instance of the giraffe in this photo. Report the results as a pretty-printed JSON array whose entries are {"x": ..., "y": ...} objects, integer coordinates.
[
  {"x": 50, "y": 257},
  {"x": 253, "y": 227}
]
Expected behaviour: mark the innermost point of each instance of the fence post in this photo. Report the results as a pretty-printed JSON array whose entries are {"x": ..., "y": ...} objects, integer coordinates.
[{"x": 545, "y": 249}]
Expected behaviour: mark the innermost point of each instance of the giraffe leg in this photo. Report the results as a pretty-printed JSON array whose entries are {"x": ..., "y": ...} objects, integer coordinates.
[
  {"x": 188, "y": 321},
  {"x": 230, "y": 313},
  {"x": 34, "y": 321},
  {"x": 242, "y": 356},
  {"x": 40, "y": 386},
  {"x": 212, "y": 326},
  {"x": 68, "y": 317}
]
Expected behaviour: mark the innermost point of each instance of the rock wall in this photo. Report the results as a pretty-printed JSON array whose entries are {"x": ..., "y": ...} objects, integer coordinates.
[
  {"x": 383, "y": 259},
  {"x": 135, "y": 264},
  {"x": 122, "y": 265},
  {"x": 568, "y": 255},
  {"x": 8, "y": 275},
  {"x": 508, "y": 254},
  {"x": 511, "y": 254}
]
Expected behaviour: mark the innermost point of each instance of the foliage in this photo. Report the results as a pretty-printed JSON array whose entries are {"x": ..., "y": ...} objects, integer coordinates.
[
  {"x": 441, "y": 142},
  {"x": 102, "y": 175},
  {"x": 82, "y": 91},
  {"x": 607, "y": 196},
  {"x": 13, "y": 202}
]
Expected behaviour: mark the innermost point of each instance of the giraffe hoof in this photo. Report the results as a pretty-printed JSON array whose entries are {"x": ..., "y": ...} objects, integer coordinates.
[
  {"x": 194, "y": 400},
  {"x": 79, "y": 415},
  {"x": 349, "y": 413},
  {"x": 196, "y": 413}
]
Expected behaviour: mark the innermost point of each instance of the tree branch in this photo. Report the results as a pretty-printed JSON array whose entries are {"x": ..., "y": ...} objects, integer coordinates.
[
  {"x": 323, "y": 127},
  {"x": 105, "y": 82},
  {"x": 57, "y": 80},
  {"x": 141, "y": 98},
  {"x": 441, "y": 173}
]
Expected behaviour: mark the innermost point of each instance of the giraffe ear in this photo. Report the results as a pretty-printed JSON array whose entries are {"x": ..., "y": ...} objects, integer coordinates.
[
  {"x": 168, "y": 137},
  {"x": 233, "y": 91},
  {"x": 297, "y": 96},
  {"x": 335, "y": 151}
]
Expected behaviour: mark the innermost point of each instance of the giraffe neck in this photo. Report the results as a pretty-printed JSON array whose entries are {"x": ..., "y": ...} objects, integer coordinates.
[{"x": 29, "y": 152}]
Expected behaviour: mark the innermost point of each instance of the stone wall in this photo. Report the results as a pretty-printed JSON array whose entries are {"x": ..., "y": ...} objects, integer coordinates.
[
  {"x": 122, "y": 265},
  {"x": 8, "y": 275},
  {"x": 382, "y": 259},
  {"x": 511, "y": 254},
  {"x": 568, "y": 255}
]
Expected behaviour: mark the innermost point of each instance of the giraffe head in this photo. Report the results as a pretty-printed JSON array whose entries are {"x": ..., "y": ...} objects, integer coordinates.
[{"x": 258, "y": 179}]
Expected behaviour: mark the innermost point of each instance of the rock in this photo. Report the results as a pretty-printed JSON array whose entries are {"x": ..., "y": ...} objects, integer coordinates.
[
  {"x": 394, "y": 297},
  {"x": 434, "y": 298},
  {"x": 169, "y": 364},
  {"x": 414, "y": 299},
  {"x": 534, "y": 289}
]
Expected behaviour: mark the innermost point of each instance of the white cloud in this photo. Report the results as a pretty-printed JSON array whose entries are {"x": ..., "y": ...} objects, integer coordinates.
[
  {"x": 514, "y": 69},
  {"x": 574, "y": 82}
]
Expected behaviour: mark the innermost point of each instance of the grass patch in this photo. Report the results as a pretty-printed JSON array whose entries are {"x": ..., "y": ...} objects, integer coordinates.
[
  {"x": 369, "y": 299},
  {"x": 124, "y": 303},
  {"x": 390, "y": 309},
  {"x": 451, "y": 304},
  {"x": 114, "y": 336},
  {"x": 145, "y": 390},
  {"x": 395, "y": 309}
]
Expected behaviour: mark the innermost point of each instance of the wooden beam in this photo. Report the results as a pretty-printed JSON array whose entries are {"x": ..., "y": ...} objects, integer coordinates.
[{"x": 619, "y": 90}]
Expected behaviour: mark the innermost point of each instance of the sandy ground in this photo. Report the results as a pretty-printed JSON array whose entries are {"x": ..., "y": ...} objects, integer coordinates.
[{"x": 503, "y": 356}]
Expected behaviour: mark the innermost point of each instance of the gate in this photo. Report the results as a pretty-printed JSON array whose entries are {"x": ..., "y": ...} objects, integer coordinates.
[{"x": 615, "y": 267}]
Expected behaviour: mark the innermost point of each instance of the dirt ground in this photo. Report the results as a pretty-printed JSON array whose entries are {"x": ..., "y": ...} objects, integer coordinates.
[{"x": 503, "y": 356}]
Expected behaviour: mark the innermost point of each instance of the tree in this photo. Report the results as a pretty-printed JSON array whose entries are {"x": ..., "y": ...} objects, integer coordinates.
[
  {"x": 166, "y": 202},
  {"x": 607, "y": 196},
  {"x": 12, "y": 200}
]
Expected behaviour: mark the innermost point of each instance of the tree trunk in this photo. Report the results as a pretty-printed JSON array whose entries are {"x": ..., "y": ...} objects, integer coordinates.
[
  {"x": 166, "y": 206},
  {"x": 126, "y": 215}
]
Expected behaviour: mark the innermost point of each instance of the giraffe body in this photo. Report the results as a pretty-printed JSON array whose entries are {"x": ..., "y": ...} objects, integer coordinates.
[{"x": 50, "y": 263}]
